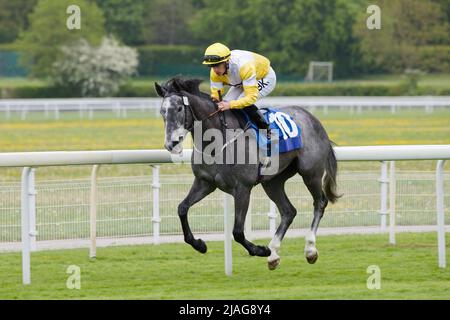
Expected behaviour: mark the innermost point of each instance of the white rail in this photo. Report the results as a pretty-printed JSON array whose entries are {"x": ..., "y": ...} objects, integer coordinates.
[
  {"x": 363, "y": 153},
  {"x": 65, "y": 158}
]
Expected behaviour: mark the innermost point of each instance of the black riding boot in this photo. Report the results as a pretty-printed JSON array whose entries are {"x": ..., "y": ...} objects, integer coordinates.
[{"x": 257, "y": 117}]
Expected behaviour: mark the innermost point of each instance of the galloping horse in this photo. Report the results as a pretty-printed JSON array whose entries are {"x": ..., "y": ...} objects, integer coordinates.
[{"x": 184, "y": 106}]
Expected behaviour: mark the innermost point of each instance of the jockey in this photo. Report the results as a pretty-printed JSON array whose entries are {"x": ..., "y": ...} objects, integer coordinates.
[{"x": 249, "y": 74}]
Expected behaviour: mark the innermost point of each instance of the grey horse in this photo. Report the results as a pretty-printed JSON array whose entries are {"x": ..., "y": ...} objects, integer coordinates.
[{"x": 186, "y": 109}]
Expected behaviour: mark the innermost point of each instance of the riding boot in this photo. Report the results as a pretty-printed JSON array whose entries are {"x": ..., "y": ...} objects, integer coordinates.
[{"x": 257, "y": 117}]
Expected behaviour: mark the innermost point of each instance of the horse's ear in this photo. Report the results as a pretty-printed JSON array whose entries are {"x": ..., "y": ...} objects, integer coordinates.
[
  {"x": 193, "y": 85},
  {"x": 160, "y": 90}
]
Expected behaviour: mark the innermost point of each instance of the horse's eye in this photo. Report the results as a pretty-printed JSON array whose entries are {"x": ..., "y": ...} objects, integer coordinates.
[{"x": 180, "y": 108}]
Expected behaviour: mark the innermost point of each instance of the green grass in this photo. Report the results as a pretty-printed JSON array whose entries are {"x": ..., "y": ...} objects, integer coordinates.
[
  {"x": 175, "y": 271},
  {"x": 142, "y": 130},
  {"x": 20, "y": 82}
]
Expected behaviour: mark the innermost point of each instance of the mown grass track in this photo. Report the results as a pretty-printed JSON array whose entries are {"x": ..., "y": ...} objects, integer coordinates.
[{"x": 175, "y": 271}]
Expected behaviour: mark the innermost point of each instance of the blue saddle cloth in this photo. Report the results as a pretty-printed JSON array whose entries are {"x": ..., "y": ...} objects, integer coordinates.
[{"x": 289, "y": 133}]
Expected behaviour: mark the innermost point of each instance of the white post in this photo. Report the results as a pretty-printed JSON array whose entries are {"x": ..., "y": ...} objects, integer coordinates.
[
  {"x": 248, "y": 221},
  {"x": 227, "y": 223},
  {"x": 392, "y": 187},
  {"x": 440, "y": 212},
  {"x": 32, "y": 209},
  {"x": 23, "y": 114},
  {"x": 156, "y": 219},
  {"x": 8, "y": 112},
  {"x": 359, "y": 109},
  {"x": 393, "y": 109},
  {"x": 56, "y": 113},
  {"x": 25, "y": 225},
  {"x": 384, "y": 193},
  {"x": 80, "y": 111},
  {"x": 93, "y": 212},
  {"x": 272, "y": 216},
  {"x": 118, "y": 110}
]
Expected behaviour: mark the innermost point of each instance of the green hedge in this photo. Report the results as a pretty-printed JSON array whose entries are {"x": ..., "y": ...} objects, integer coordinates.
[
  {"x": 435, "y": 59},
  {"x": 299, "y": 89},
  {"x": 37, "y": 92},
  {"x": 282, "y": 89},
  {"x": 165, "y": 61}
]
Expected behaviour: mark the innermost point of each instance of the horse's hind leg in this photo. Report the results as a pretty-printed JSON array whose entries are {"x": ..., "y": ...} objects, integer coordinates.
[
  {"x": 275, "y": 191},
  {"x": 241, "y": 202},
  {"x": 314, "y": 185},
  {"x": 199, "y": 190}
]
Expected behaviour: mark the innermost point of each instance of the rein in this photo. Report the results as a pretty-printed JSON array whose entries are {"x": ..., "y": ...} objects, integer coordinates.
[
  {"x": 188, "y": 105},
  {"x": 223, "y": 122}
]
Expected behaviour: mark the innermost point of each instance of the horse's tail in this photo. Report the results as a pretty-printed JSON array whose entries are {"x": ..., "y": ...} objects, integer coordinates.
[{"x": 330, "y": 176}]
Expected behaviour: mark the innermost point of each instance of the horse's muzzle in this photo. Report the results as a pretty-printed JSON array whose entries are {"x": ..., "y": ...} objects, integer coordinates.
[{"x": 171, "y": 144}]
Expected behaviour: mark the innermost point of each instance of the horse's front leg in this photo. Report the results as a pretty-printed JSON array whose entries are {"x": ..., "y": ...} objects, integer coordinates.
[
  {"x": 199, "y": 190},
  {"x": 241, "y": 202}
]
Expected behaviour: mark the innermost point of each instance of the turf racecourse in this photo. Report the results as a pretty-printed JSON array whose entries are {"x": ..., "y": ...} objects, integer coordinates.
[{"x": 175, "y": 271}]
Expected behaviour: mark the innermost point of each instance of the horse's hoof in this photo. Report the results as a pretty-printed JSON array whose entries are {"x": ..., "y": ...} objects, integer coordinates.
[
  {"x": 273, "y": 264},
  {"x": 312, "y": 255},
  {"x": 200, "y": 246}
]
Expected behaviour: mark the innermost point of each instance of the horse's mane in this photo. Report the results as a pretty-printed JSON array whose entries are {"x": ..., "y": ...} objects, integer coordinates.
[
  {"x": 192, "y": 86},
  {"x": 179, "y": 85}
]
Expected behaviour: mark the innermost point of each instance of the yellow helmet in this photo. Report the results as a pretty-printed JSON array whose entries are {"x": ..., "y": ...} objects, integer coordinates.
[{"x": 216, "y": 53}]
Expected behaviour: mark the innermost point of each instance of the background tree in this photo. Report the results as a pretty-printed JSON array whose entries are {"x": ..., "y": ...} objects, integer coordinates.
[
  {"x": 124, "y": 19},
  {"x": 166, "y": 22},
  {"x": 408, "y": 29},
  {"x": 231, "y": 22},
  {"x": 92, "y": 71},
  {"x": 13, "y": 18},
  {"x": 289, "y": 32},
  {"x": 48, "y": 31}
]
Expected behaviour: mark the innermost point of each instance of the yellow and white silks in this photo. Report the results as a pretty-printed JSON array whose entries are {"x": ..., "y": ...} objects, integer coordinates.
[{"x": 250, "y": 76}]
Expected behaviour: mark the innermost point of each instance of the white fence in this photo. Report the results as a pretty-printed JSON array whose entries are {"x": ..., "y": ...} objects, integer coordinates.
[
  {"x": 125, "y": 207},
  {"x": 36, "y": 159},
  {"x": 120, "y": 106}
]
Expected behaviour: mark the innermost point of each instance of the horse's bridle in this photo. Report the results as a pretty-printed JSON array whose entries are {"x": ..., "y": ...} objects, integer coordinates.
[
  {"x": 188, "y": 106},
  {"x": 224, "y": 124}
]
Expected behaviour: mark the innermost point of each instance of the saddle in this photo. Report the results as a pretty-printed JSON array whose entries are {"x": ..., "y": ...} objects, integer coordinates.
[{"x": 289, "y": 133}]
